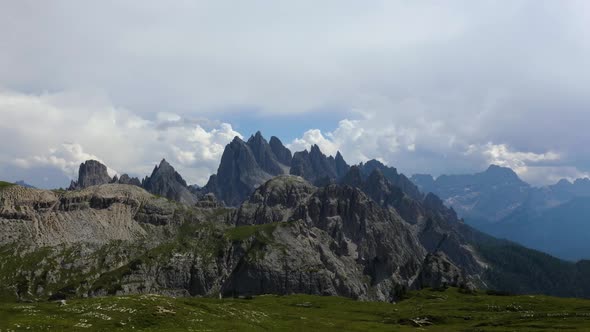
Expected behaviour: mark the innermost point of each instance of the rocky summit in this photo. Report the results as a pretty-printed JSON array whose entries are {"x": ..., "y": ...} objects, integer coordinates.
[
  {"x": 315, "y": 167},
  {"x": 91, "y": 173},
  {"x": 245, "y": 166},
  {"x": 165, "y": 181}
]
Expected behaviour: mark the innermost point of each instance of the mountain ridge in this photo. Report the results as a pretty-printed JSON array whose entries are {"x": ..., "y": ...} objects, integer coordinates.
[{"x": 498, "y": 202}]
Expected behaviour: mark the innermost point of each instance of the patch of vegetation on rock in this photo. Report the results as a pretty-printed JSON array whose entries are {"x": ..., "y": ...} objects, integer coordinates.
[{"x": 4, "y": 185}]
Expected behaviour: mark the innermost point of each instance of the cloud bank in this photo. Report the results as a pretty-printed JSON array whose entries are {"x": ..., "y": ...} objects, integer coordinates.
[
  {"x": 62, "y": 130},
  {"x": 436, "y": 87}
]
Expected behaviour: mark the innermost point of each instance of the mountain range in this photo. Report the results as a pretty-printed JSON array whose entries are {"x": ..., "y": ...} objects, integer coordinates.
[
  {"x": 554, "y": 219},
  {"x": 268, "y": 221}
]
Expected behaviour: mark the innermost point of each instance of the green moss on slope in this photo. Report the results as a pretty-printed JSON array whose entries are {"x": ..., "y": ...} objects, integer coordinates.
[
  {"x": 4, "y": 185},
  {"x": 425, "y": 310}
]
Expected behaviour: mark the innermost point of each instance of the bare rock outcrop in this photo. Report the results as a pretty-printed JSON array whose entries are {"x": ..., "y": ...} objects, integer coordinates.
[{"x": 91, "y": 173}]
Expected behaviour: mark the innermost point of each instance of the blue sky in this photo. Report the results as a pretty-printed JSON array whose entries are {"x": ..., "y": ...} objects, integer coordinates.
[
  {"x": 287, "y": 127},
  {"x": 426, "y": 86}
]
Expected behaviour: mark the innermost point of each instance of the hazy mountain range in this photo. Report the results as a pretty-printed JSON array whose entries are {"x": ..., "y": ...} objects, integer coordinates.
[{"x": 554, "y": 219}]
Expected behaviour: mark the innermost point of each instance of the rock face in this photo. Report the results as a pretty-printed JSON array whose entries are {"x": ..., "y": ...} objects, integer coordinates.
[
  {"x": 437, "y": 227},
  {"x": 391, "y": 174},
  {"x": 91, "y": 173},
  {"x": 264, "y": 155},
  {"x": 288, "y": 237},
  {"x": 245, "y": 166},
  {"x": 316, "y": 168},
  {"x": 346, "y": 241},
  {"x": 94, "y": 173},
  {"x": 282, "y": 154},
  {"x": 165, "y": 181},
  {"x": 126, "y": 179},
  {"x": 94, "y": 215},
  {"x": 208, "y": 201}
]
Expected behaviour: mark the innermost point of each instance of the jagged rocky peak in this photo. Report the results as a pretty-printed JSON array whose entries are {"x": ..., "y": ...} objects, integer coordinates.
[
  {"x": 126, "y": 179},
  {"x": 246, "y": 165},
  {"x": 91, "y": 173},
  {"x": 165, "y": 181},
  {"x": 391, "y": 174},
  {"x": 283, "y": 154},
  {"x": 318, "y": 169},
  {"x": 341, "y": 166},
  {"x": 264, "y": 155},
  {"x": 239, "y": 172},
  {"x": 501, "y": 174}
]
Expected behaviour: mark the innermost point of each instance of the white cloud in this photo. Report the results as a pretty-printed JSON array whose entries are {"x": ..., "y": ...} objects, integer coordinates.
[
  {"x": 67, "y": 158},
  {"x": 532, "y": 167},
  {"x": 545, "y": 175},
  {"x": 64, "y": 129},
  {"x": 500, "y": 154},
  {"x": 418, "y": 82},
  {"x": 372, "y": 138}
]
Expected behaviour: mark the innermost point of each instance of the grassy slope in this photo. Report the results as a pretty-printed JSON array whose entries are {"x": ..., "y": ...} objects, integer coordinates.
[
  {"x": 4, "y": 184},
  {"x": 448, "y": 311}
]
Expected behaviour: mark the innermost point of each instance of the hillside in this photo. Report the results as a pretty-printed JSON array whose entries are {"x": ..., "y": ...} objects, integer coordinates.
[{"x": 426, "y": 310}]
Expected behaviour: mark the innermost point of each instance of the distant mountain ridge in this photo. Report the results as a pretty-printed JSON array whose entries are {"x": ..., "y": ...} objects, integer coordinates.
[{"x": 497, "y": 201}]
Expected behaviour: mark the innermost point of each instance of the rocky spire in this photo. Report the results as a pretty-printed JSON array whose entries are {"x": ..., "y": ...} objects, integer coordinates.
[
  {"x": 239, "y": 172},
  {"x": 391, "y": 174},
  {"x": 315, "y": 167},
  {"x": 283, "y": 154},
  {"x": 165, "y": 181},
  {"x": 341, "y": 165},
  {"x": 91, "y": 173},
  {"x": 264, "y": 155},
  {"x": 245, "y": 166}
]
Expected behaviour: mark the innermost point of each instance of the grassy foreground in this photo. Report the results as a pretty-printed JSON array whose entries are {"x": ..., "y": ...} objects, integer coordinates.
[{"x": 426, "y": 310}]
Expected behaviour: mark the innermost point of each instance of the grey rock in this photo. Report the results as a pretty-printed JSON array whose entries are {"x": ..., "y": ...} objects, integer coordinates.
[
  {"x": 245, "y": 166},
  {"x": 91, "y": 173},
  {"x": 166, "y": 182},
  {"x": 282, "y": 154},
  {"x": 238, "y": 174},
  {"x": 318, "y": 169},
  {"x": 264, "y": 155},
  {"x": 289, "y": 237},
  {"x": 209, "y": 201},
  {"x": 391, "y": 174},
  {"x": 126, "y": 179}
]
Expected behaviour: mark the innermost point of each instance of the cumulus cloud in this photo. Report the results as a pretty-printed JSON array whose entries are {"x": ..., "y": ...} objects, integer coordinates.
[
  {"x": 418, "y": 83},
  {"x": 64, "y": 129},
  {"x": 67, "y": 158},
  {"x": 361, "y": 140}
]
